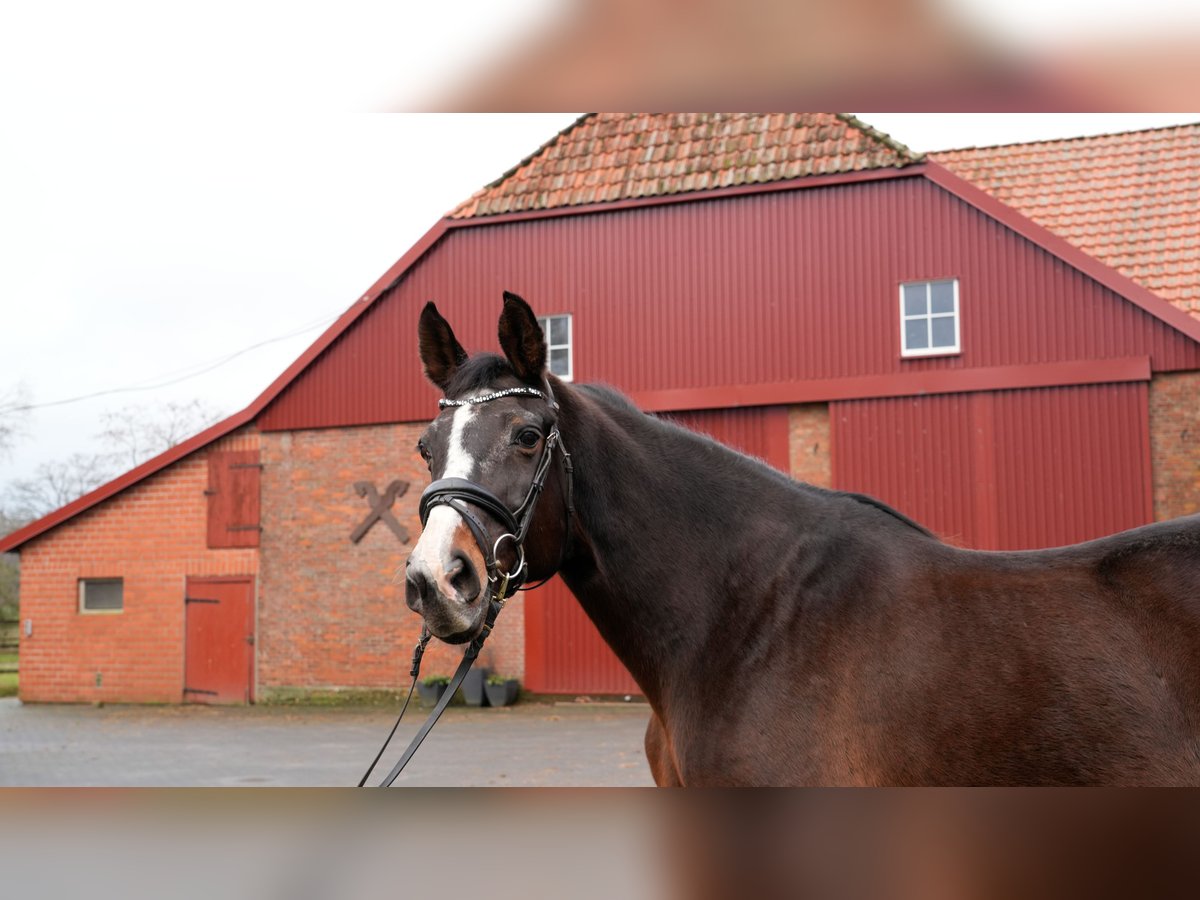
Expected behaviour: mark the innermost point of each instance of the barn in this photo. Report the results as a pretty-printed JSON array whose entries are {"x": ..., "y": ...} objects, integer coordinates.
[{"x": 958, "y": 335}]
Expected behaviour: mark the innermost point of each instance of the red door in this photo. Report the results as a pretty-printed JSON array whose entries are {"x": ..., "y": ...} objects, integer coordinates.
[
  {"x": 219, "y": 643},
  {"x": 1004, "y": 470},
  {"x": 564, "y": 653}
]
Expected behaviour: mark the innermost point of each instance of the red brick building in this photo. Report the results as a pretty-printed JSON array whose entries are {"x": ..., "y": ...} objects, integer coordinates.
[{"x": 800, "y": 286}]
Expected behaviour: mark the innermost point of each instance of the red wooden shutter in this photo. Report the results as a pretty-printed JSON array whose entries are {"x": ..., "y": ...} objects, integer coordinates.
[{"x": 233, "y": 498}]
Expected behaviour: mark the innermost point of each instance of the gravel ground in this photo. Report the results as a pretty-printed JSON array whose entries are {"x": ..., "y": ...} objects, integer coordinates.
[{"x": 529, "y": 744}]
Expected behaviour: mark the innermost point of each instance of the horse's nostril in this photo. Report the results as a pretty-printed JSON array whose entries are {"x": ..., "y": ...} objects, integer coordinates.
[
  {"x": 418, "y": 588},
  {"x": 461, "y": 575}
]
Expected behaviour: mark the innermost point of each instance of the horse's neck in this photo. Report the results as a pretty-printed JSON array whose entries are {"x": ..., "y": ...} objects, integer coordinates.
[{"x": 669, "y": 531}]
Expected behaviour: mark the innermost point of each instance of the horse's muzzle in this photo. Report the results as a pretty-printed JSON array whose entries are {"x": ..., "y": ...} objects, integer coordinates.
[{"x": 448, "y": 601}]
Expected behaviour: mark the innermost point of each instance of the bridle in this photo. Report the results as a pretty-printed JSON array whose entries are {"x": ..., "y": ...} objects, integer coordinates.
[{"x": 457, "y": 493}]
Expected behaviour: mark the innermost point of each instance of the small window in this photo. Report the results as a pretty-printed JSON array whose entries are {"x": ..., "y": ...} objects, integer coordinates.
[
  {"x": 557, "y": 330},
  {"x": 929, "y": 318},
  {"x": 101, "y": 595}
]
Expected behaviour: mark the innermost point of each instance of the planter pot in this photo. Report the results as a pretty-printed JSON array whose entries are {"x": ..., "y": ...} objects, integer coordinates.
[
  {"x": 472, "y": 687},
  {"x": 430, "y": 694},
  {"x": 502, "y": 694}
]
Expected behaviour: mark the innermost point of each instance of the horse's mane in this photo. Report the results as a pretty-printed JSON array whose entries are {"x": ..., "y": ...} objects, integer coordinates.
[{"x": 618, "y": 401}]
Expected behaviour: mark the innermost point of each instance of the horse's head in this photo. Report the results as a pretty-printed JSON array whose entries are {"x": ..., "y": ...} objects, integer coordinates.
[{"x": 491, "y": 453}]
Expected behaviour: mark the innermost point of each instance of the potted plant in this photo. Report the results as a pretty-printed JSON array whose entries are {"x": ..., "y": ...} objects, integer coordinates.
[
  {"x": 472, "y": 687},
  {"x": 431, "y": 688},
  {"x": 501, "y": 690}
]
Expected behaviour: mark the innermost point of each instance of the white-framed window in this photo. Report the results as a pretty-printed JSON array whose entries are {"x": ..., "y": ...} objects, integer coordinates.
[
  {"x": 929, "y": 318},
  {"x": 557, "y": 330},
  {"x": 101, "y": 595}
]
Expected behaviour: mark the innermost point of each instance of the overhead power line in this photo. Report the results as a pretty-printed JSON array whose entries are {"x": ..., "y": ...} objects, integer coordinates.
[{"x": 176, "y": 376}]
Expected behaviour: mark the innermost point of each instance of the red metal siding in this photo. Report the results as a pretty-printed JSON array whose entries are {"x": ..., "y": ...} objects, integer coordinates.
[
  {"x": 912, "y": 452},
  {"x": 1007, "y": 470},
  {"x": 761, "y": 432},
  {"x": 1072, "y": 464},
  {"x": 564, "y": 654},
  {"x": 219, "y": 641},
  {"x": 766, "y": 288}
]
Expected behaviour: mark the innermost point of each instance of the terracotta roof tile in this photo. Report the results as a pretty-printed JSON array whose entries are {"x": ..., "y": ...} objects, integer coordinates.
[
  {"x": 1131, "y": 200},
  {"x": 604, "y": 157}
]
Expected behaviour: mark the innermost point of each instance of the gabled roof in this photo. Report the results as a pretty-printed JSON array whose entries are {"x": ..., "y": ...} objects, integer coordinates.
[
  {"x": 605, "y": 157},
  {"x": 1131, "y": 200}
]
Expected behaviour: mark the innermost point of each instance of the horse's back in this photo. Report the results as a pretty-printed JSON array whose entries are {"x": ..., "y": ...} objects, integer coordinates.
[{"x": 1094, "y": 653}]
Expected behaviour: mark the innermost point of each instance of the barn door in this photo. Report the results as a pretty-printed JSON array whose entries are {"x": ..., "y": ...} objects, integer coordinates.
[
  {"x": 219, "y": 640},
  {"x": 564, "y": 653},
  {"x": 1004, "y": 470}
]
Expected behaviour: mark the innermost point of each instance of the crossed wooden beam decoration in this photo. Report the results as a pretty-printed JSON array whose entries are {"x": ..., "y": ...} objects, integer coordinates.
[{"x": 381, "y": 509}]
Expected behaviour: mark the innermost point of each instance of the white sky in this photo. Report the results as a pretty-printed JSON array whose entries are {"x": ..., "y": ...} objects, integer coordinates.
[{"x": 134, "y": 246}]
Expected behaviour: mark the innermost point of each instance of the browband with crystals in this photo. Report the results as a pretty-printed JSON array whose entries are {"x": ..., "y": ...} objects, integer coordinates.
[{"x": 507, "y": 392}]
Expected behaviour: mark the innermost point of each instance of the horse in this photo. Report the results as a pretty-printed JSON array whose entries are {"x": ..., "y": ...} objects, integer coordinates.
[{"x": 786, "y": 634}]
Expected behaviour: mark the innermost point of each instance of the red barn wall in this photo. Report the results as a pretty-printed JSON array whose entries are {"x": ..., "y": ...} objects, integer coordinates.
[
  {"x": 1003, "y": 470},
  {"x": 153, "y": 535},
  {"x": 769, "y": 288},
  {"x": 564, "y": 652},
  {"x": 761, "y": 432}
]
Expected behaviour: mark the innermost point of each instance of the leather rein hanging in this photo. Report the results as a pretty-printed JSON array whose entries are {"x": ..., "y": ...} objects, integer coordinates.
[{"x": 457, "y": 493}]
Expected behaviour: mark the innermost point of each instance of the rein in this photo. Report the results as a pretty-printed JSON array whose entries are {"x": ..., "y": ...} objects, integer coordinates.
[{"x": 457, "y": 493}]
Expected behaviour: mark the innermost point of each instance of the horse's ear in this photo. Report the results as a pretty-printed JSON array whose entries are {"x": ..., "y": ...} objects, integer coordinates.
[
  {"x": 522, "y": 340},
  {"x": 441, "y": 353}
]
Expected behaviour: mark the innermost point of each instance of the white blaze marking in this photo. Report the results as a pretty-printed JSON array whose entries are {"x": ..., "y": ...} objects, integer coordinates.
[
  {"x": 436, "y": 544},
  {"x": 459, "y": 462}
]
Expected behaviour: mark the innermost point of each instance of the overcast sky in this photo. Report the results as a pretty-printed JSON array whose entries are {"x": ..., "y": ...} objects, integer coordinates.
[{"x": 137, "y": 249}]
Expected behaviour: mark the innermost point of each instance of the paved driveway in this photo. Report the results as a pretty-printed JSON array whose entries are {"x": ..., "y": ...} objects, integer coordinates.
[{"x": 530, "y": 744}]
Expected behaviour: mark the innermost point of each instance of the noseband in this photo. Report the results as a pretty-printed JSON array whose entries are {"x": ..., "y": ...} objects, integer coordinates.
[{"x": 458, "y": 492}]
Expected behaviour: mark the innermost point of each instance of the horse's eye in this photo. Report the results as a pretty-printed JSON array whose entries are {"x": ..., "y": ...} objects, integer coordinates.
[
  {"x": 529, "y": 438},
  {"x": 424, "y": 451}
]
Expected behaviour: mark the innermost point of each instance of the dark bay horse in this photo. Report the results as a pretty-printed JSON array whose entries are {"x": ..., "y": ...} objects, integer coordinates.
[{"x": 785, "y": 634}]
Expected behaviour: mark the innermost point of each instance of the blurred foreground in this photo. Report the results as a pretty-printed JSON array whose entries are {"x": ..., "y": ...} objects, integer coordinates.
[
  {"x": 915, "y": 55},
  {"x": 826, "y": 845}
]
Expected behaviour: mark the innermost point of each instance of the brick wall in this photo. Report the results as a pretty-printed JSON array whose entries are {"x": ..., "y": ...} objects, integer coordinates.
[
  {"x": 153, "y": 536},
  {"x": 808, "y": 443},
  {"x": 1175, "y": 443},
  {"x": 331, "y": 612}
]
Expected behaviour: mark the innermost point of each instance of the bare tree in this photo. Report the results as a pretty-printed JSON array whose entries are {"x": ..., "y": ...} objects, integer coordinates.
[
  {"x": 9, "y": 568},
  {"x": 133, "y": 434},
  {"x": 130, "y": 436},
  {"x": 57, "y": 483},
  {"x": 14, "y": 413}
]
